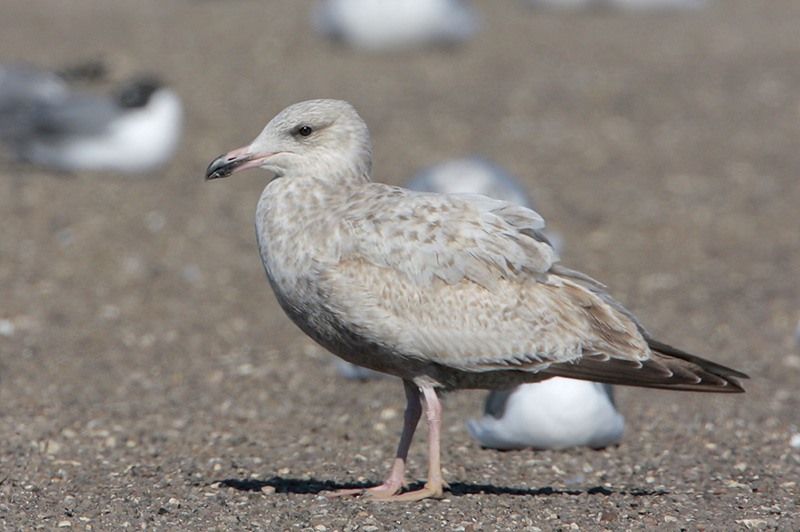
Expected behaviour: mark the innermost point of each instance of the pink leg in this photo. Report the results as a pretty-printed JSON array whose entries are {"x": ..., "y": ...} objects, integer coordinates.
[
  {"x": 434, "y": 487},
  {"x": 394, "y": 482}
]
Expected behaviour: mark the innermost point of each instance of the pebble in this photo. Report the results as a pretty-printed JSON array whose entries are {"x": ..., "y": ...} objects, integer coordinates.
[
  {"x": 753, "y": 524},
  {"x": 7, "y": 328},
  {"x": 388, "y": 414},
  {"x": 794, "y": 441}
]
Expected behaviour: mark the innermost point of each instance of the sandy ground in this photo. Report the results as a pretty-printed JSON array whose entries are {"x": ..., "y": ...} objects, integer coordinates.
[{"x": 148, "y": 378}]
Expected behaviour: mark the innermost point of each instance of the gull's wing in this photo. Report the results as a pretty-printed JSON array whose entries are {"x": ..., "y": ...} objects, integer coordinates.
[
  {"x": 450, "y": 237},
  {"x": 22, "y": 89},
  {"x": 463, "y": 282},
  {"x": 78, "y": 114}
]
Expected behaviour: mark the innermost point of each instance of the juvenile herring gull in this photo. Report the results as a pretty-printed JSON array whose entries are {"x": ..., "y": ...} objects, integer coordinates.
[{"x": 445, "y": 291}]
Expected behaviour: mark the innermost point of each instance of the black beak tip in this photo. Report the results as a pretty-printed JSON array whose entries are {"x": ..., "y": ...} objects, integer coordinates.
[{"x": 219, "y": 167}]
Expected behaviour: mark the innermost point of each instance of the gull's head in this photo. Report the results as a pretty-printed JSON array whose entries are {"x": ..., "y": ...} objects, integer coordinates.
[{"x": 315, "y": 138}]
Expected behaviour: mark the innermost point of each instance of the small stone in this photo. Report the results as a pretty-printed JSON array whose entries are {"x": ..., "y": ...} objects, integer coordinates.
[
  {"x": 268, "y": 490},
  {"x": 173, "y": 501},
  {"x": 320, "y": 528},
  {"x": 369, "y": 528},
  {"x": 670, "y": 519},
  {"x": 794, "y": 441},
  {"x": 753, "y": 524},
  {"x": 52, "y": 447},
  {"x": 730, "y": 483},
  {"x": 64, "y": 524},
  {"x": 388, "y": 414},
  {"x": 7, "y": 328}
]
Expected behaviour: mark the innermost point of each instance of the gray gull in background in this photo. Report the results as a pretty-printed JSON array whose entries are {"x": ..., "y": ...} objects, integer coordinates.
[
  {"x": 445, "y": 291},
  {"x": 44, "y": 122},
  {"x": 384, "y": 25}
]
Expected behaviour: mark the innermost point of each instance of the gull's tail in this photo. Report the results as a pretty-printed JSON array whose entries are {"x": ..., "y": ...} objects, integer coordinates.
[{"x": 669, "y": 369}]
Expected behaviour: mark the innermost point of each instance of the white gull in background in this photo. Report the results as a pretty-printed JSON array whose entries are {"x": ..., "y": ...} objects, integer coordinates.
[
  {"x": 383, "y": 25},
  {"x": 444, "y": 291},
  {"x": 554, "y": 414},
  {"x": 46, "y": 123}
]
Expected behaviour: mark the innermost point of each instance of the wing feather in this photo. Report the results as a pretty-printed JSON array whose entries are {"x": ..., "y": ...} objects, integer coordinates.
[{"x": 464, "y": 282}]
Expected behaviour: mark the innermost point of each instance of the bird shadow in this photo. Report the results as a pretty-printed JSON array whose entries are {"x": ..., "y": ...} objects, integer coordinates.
[{"x": 315, "y": 486}]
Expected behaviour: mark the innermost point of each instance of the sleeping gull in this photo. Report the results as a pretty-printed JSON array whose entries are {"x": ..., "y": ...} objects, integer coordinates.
[
  {"x": 135, "y": 130},
  {"x": 445, "y": 291},
  {"x": 383, "y": 25}
]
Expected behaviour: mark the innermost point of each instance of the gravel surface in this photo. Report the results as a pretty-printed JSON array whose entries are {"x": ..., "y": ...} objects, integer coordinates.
[{"x": 148, "y": 379}]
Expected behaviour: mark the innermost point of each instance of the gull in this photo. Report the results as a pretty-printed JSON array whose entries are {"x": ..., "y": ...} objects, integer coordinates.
[
  {"x": 46, "y": 123},
  {"x": 554, "y": 414},
  {"x": 382, "y": 25},
  {"x": 444, "y": 291}
]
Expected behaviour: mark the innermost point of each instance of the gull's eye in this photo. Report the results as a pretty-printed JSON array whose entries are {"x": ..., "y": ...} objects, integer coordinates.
[{"x": 304, "y": 131}]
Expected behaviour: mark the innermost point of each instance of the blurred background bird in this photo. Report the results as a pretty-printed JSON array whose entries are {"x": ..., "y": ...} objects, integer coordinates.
[
  {"x": 46, "y": 122},
  {"x": 385, "y": 25}
]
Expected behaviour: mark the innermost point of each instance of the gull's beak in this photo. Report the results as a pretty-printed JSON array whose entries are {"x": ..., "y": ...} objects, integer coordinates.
[{"x": 234, "y": 161}]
